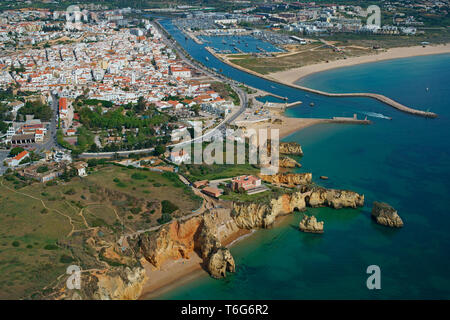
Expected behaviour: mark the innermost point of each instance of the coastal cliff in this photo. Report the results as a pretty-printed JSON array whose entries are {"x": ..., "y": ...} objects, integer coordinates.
[
  {"x": 292, "y": 148},
  {"x": 290, "y": 179},
  {"x": 172, "y": 241},
  {"x": 119, "y": 284},
  {"x": 249, "y": 215},
  {"x": 180, "y": 239},
  {"x": 286, "y": 162},
  {"x": 112, "y": 283}
]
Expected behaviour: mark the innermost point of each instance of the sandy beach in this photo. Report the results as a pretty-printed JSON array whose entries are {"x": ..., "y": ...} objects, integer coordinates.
[
  {"x": 174, "y": 273},
  {"x": 288, "y": 125},
  {"x": 293, "y": 75}
]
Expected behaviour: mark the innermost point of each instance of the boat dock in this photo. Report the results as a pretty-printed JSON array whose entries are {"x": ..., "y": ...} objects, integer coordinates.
[
  {"x": 293, "y": 104},
  {"x": 353, "y": 119}
]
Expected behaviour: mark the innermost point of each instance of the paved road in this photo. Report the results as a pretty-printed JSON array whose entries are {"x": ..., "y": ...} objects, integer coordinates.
[{"x": 50, "y": 137}]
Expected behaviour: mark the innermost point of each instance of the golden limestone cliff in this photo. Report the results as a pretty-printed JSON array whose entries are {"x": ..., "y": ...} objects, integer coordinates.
[
  {"x": 262, "y": 215},
  {"x": 112, "y": 283},
  {"x": 172, "y": 241},
  {"x": 292, "y": 148},
  {"x": 219, "y": 259},
  {"x": 289, "y": 179},
  {"x": 287, "y": 162},
  {"x": 125, "y": 284},
  {"x": 179, "y": 239}
]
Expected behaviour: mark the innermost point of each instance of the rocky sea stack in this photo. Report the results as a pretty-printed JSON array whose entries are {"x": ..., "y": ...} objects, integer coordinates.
[
  {"x": 385, "y": 215},
  {"x": 310, "y": 224}
]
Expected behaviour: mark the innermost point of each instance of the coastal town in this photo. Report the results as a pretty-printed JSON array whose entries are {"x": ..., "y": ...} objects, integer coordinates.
[{"x": 105, "y": 111}]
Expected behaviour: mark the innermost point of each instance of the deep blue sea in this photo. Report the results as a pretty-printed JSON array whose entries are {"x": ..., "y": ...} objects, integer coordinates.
[{"x": 404, "y": 162}]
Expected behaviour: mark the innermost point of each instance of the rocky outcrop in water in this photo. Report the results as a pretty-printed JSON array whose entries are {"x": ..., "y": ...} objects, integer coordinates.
[
  {"x": 290, "y": 179},
  {"x": 292, "y": 148},
  {"x": 385, "y": 215},
  {"x": 334, "y": 198},
  {"x": 219, "y": 262},
  {"x": 310, "y": 224},
  {"x": 286, "y": 162},
  {"x": 249, "y": 215}
]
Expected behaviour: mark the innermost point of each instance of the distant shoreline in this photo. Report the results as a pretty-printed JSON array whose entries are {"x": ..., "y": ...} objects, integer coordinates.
[{"x": 293, "y": 75}]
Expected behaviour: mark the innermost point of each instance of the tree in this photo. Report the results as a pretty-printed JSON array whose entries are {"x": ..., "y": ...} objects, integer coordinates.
[
  {"x": 42, "y": 169},
  {"x": 160, "y": 149},
  {"x": 140, "y": 107},
  {"x": 15, "y": 151},
  {"x": 93, "y": 148},
  {"x": 3, "y": 127}
]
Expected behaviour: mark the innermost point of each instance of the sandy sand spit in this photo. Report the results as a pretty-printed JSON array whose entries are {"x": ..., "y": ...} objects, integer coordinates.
[{"x": 293, "y": 75}]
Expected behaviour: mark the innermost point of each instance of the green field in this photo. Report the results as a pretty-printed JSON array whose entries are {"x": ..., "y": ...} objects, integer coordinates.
[
  {"x": 45, "y": 228},
  {"x": 308, "y": 54},
  {"x": 217, "y": 171}
]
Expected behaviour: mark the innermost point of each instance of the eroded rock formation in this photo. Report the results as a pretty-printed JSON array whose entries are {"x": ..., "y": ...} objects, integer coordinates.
[
  {"x": 172, "y": 241},
  {"x": 248, "y": 215},
  {"x": 310, "y": 224},
  {"x": 121, "y": 284},
  {"x": 385, "y": 215},
  {"x": 336, "y": 199},
  {"x": 286, "y": 162},
  {"x": 220, "y": 262},
  {"x": 179, "y": 239},
  {"x": 290, "y": 179},
  {"x": 118, "y": 283},
  {"x": 291, "y": 148}
]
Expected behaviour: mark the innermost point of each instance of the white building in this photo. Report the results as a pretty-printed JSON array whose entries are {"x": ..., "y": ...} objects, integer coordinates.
[
  {"x": 179, "y": 157},
  {"x": 15, "y": 161}
]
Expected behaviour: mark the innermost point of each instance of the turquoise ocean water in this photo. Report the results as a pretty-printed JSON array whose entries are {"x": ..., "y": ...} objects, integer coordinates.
[{"x": 404, "y": 161}]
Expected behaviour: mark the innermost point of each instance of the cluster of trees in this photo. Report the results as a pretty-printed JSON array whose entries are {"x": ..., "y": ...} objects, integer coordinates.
[
  {"x": 38, "y": 109},
  {"x": 95, "y": 119}
]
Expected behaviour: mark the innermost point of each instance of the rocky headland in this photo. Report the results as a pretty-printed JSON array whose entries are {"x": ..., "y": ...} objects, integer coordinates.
[
  {"x": 249, "y": 215},
  {"x": 292, "y": 148},
  {"x": 288, "y": 179},
  {"x": 180, "y": 239},
  {"x": 287, "y": 162}
]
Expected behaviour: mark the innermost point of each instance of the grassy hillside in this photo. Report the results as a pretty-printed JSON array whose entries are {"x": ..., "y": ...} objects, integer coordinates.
[{"x": 46, "y": 227}]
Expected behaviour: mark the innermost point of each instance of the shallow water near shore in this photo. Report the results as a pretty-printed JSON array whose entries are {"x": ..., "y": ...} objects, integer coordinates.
[{"x": 404, "y": 161}]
